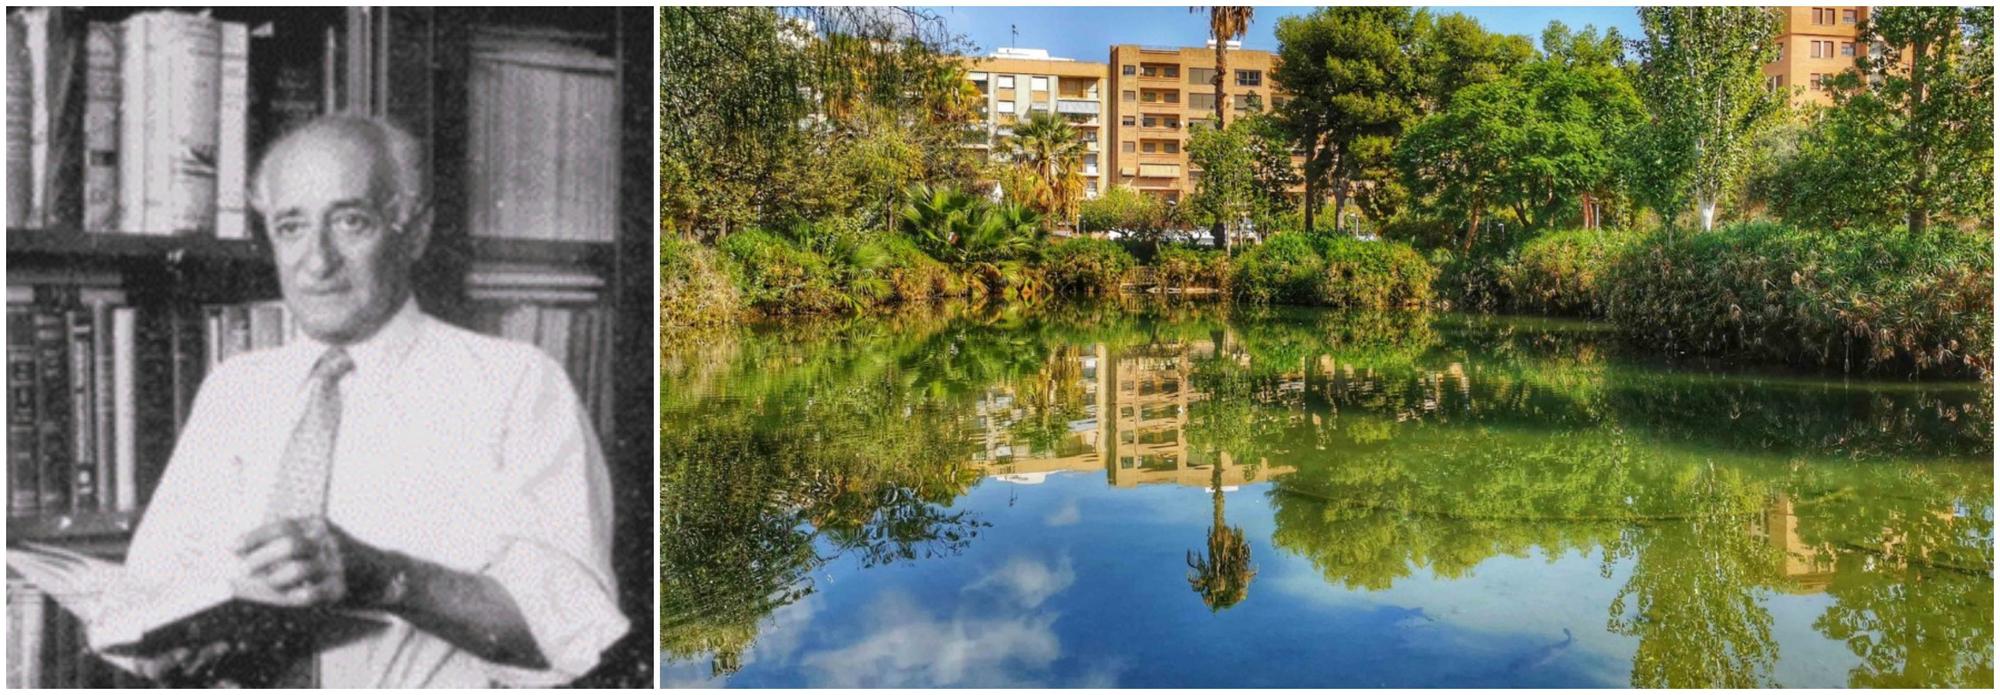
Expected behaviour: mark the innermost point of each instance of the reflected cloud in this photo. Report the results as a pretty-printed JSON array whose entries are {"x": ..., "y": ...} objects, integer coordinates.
[
  {"x": 1068, "y": 515},
  {"x": 1028, "y": 582},
  {"x": 908, "y": 647}
]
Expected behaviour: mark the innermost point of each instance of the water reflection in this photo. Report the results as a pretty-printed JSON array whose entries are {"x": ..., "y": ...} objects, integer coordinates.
[{"x": 1376, "y": 448}]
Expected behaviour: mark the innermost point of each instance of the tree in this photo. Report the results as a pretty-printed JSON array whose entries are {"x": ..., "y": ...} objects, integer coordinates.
[
  {"x": 1353, "y": 81},
  {"x": 1222, "y": 576},
  {"x": 1225, "y": 24},
  {"x": 1050, "y": 151},
  {"x": 1915, "y": 118},
  {"x": 1246, "y": 172},
  {"x": 1701, "y": 75},
  {"x": 1534, "y": 144},
  {"x": 1136, "y": 215}
]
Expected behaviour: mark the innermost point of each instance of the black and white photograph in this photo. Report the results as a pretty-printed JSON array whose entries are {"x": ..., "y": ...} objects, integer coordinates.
[{"x": 330, "y": 347}]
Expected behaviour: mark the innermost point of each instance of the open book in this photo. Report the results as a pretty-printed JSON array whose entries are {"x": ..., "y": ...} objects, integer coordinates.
[{"x": 128, "y": 615}]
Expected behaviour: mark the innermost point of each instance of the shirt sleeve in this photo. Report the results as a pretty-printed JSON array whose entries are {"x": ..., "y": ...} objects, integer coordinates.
[
  {"x": 554, "y": 559},
  {"x": 187, "y": 522}
]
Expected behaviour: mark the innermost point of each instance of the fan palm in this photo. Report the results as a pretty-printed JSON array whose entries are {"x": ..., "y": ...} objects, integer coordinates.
[
  {"x": 1050, "y": 152},
  {"x": 1225, "y": 24}
]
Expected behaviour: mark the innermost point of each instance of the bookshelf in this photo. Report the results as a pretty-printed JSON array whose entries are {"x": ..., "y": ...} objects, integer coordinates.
[{"x": 421, "y": 67}]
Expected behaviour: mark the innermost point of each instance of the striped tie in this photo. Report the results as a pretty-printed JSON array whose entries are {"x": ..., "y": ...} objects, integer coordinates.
[{"x": 308, "y": 460}]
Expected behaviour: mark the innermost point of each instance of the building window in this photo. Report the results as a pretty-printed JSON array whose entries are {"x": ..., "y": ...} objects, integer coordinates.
[
  {"x": 1149, "y": 70},
  {"x": 1131, "y": 95},
  {"x": 1201, "y": 101},
  {"x": 1131, "y": 69},
  {"x": 1006, "y": 81},
  {"x": 1201, "y": 76},
  {"x": 1847, "y": 16},
  {"x": 1847, "y": 49},
  {"x": 1171, "y": 97},
  {"x": 1038, "y": 84},
  {"x": 1128, "y": 121},
  {"x": 1781, "y": 52},
  {"x": 1004, "y": 107},
  {"x": 1171, "y": 71},
  {"x": 1149, "y": 147},
  {"x": 1150, "y": 122},
  {"x": 1128, "y": 147},
  {"x": 1173, "y": 122},
  {"x": 1249, "y": 78},
  {"x": 1170, "y": 147}
]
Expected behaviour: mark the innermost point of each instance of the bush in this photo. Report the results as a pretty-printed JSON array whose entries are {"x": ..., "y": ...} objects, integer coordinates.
[
  {"x": 777, "y": 277},
  {"x": 1468, "y": 282},
  {"x": 914, "y": 276},
  {"x": 1182, "y": 267},
  {"x": 1859, "y": 299},
  {"x": 1561, "y": 273},
  {"x": 1372, "y": 274},
  {"x": 1284, "y": 269},
  {"x": 695, "y": 286},
  {"x": 1333, "y": 270},
  {"x": 1086, "y": 266}
]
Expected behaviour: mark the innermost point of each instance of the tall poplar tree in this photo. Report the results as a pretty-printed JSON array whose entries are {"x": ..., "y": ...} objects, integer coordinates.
[{"x": 1701, "y": 74}]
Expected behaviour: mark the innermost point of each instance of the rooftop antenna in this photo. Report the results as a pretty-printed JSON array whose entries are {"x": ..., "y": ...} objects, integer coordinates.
[{"x": 1013, "y": 35}]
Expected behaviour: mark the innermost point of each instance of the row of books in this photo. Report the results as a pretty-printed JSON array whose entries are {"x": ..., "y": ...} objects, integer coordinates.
[
  {"x": 142, "y": 125},
  {"x": 97, "y": 389},
  {"x": 559, "y": 311}
]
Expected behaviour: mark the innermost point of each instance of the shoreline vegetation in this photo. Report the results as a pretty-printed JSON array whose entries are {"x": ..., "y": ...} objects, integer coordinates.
[{"x": 808, "y": 170}]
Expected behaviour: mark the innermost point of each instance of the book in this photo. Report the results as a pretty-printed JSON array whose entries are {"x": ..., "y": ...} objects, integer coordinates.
[
  {"x": 103, "y": 45},
  {"x": 232, "y": 163},
  {"x": 124, "y": 404},
  {"x": 52, "y": 409},
  {"x": 189, "y": 107},
  {"x": 20, "y": 107},
  {"x": 103, "y": 390},
  {"x": 83, "y": 408},
  {"x": 57, "y": 67},
  {"x": 23, "y": 467},
  {"x": 27, "y": 642},
  {"x": 542, "y": 137},
  {"x": 133, "y": 614},
  {"x": 135, "y": 127}
]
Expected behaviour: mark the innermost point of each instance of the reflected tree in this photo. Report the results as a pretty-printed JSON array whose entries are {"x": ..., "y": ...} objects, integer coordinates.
[{"x": 1221, "y": 577}]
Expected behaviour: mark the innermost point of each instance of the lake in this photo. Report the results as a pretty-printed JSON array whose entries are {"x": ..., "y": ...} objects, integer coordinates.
[{"x": 1161, "y": 495}]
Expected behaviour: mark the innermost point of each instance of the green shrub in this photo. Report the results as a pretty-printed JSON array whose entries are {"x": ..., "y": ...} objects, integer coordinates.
[
  {"x": 1183, "y": 267},
  {"x": 1561, "y": 273},
  {"x": 1086, "y": 266},
  {"x": 1856, "y": 299},
  {"x": 1284, "y": 269},
  {"x": 1333, "y": 270},
  {"x": 1372, "y": 274},
  {"x": 1468, "y": 282},
  {"x": 695, "y": 286},
  {"x": 777, "y": 277},
  {"x": 914, "y": 276}
]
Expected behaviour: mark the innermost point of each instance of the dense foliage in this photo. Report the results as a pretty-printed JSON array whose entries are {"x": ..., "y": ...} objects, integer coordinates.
[
  {"x": 1333, "y": 270},
  {"x": 1086, "y": 266},
  {"x": 1561, "y": 273},
  {"x": 1854, "y": 299}
]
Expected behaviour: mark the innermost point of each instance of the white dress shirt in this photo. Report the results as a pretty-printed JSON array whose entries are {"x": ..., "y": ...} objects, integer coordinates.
[{"x": 456, "y": 448}]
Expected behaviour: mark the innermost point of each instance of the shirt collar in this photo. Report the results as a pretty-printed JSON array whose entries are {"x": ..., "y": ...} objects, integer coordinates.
[{"x": 379, "y": 353}]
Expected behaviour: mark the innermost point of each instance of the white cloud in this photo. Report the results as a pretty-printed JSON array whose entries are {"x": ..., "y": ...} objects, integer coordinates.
[
  {"x": 909, "y": 648},
  {"x": 1068, "y": 515},
  {"x": 1028, "y": 582}
]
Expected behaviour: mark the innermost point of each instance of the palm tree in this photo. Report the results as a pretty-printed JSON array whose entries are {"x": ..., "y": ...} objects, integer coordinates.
[
  {"x": 1050, "y": 152},
  {"x": 1225, "y": 24},
  {"x": 1222, "y": 578}
]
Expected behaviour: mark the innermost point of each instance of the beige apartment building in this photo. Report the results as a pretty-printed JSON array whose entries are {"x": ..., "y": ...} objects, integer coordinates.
[
  {"x": 1814, "y": 44},
  {"x": 1156, "y": 93},
  {"x": 1017, "y": 82}
]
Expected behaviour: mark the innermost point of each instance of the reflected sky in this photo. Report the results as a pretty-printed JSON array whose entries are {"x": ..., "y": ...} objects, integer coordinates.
[{"x": 1180, "y": 497}]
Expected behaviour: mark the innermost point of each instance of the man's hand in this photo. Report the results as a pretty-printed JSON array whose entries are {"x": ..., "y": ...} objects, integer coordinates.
[
  {"x": 184, "y": 666},
  {"x": 310, "y": 562}
]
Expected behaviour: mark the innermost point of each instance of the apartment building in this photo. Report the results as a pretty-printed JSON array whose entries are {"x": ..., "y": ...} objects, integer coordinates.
[
  {"x": 1814, "y": 44},
  {"x": 1155, "y": 94},
  {"x": 1017, "y": 82}
]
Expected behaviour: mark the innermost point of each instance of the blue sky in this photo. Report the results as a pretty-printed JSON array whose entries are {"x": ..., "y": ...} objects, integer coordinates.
[{"x": 1086, "y": 33}]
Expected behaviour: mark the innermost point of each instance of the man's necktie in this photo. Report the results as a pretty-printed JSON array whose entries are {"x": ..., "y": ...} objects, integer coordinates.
[{"x": 308, "y": 458}]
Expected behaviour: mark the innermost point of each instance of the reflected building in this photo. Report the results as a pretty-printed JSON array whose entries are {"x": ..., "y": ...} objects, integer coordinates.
[
  {"x": 1136, "y": 404},
  {"x": 1803, "y": 568}
]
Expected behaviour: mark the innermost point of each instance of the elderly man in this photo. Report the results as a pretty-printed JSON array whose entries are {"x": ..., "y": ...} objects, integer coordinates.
[{"x": 387, "y": 463}]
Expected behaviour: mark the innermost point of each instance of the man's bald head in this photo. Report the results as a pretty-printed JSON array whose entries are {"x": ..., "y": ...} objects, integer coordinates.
[{"x": 399, "y": 184}]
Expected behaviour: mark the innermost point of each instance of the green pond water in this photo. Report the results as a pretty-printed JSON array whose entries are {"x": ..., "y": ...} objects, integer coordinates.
[{"x": 1188, "y": 495}]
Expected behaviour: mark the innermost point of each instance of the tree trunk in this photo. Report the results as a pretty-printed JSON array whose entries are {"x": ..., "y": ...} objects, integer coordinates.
[
  {"x": 1311, "y": 151},
  {"x": 1220, "y": 232},
  {"x": 1340, "y": 196},
  {"x": 1706, "y": 204},
  {"x": 1472, "y": 228}
]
